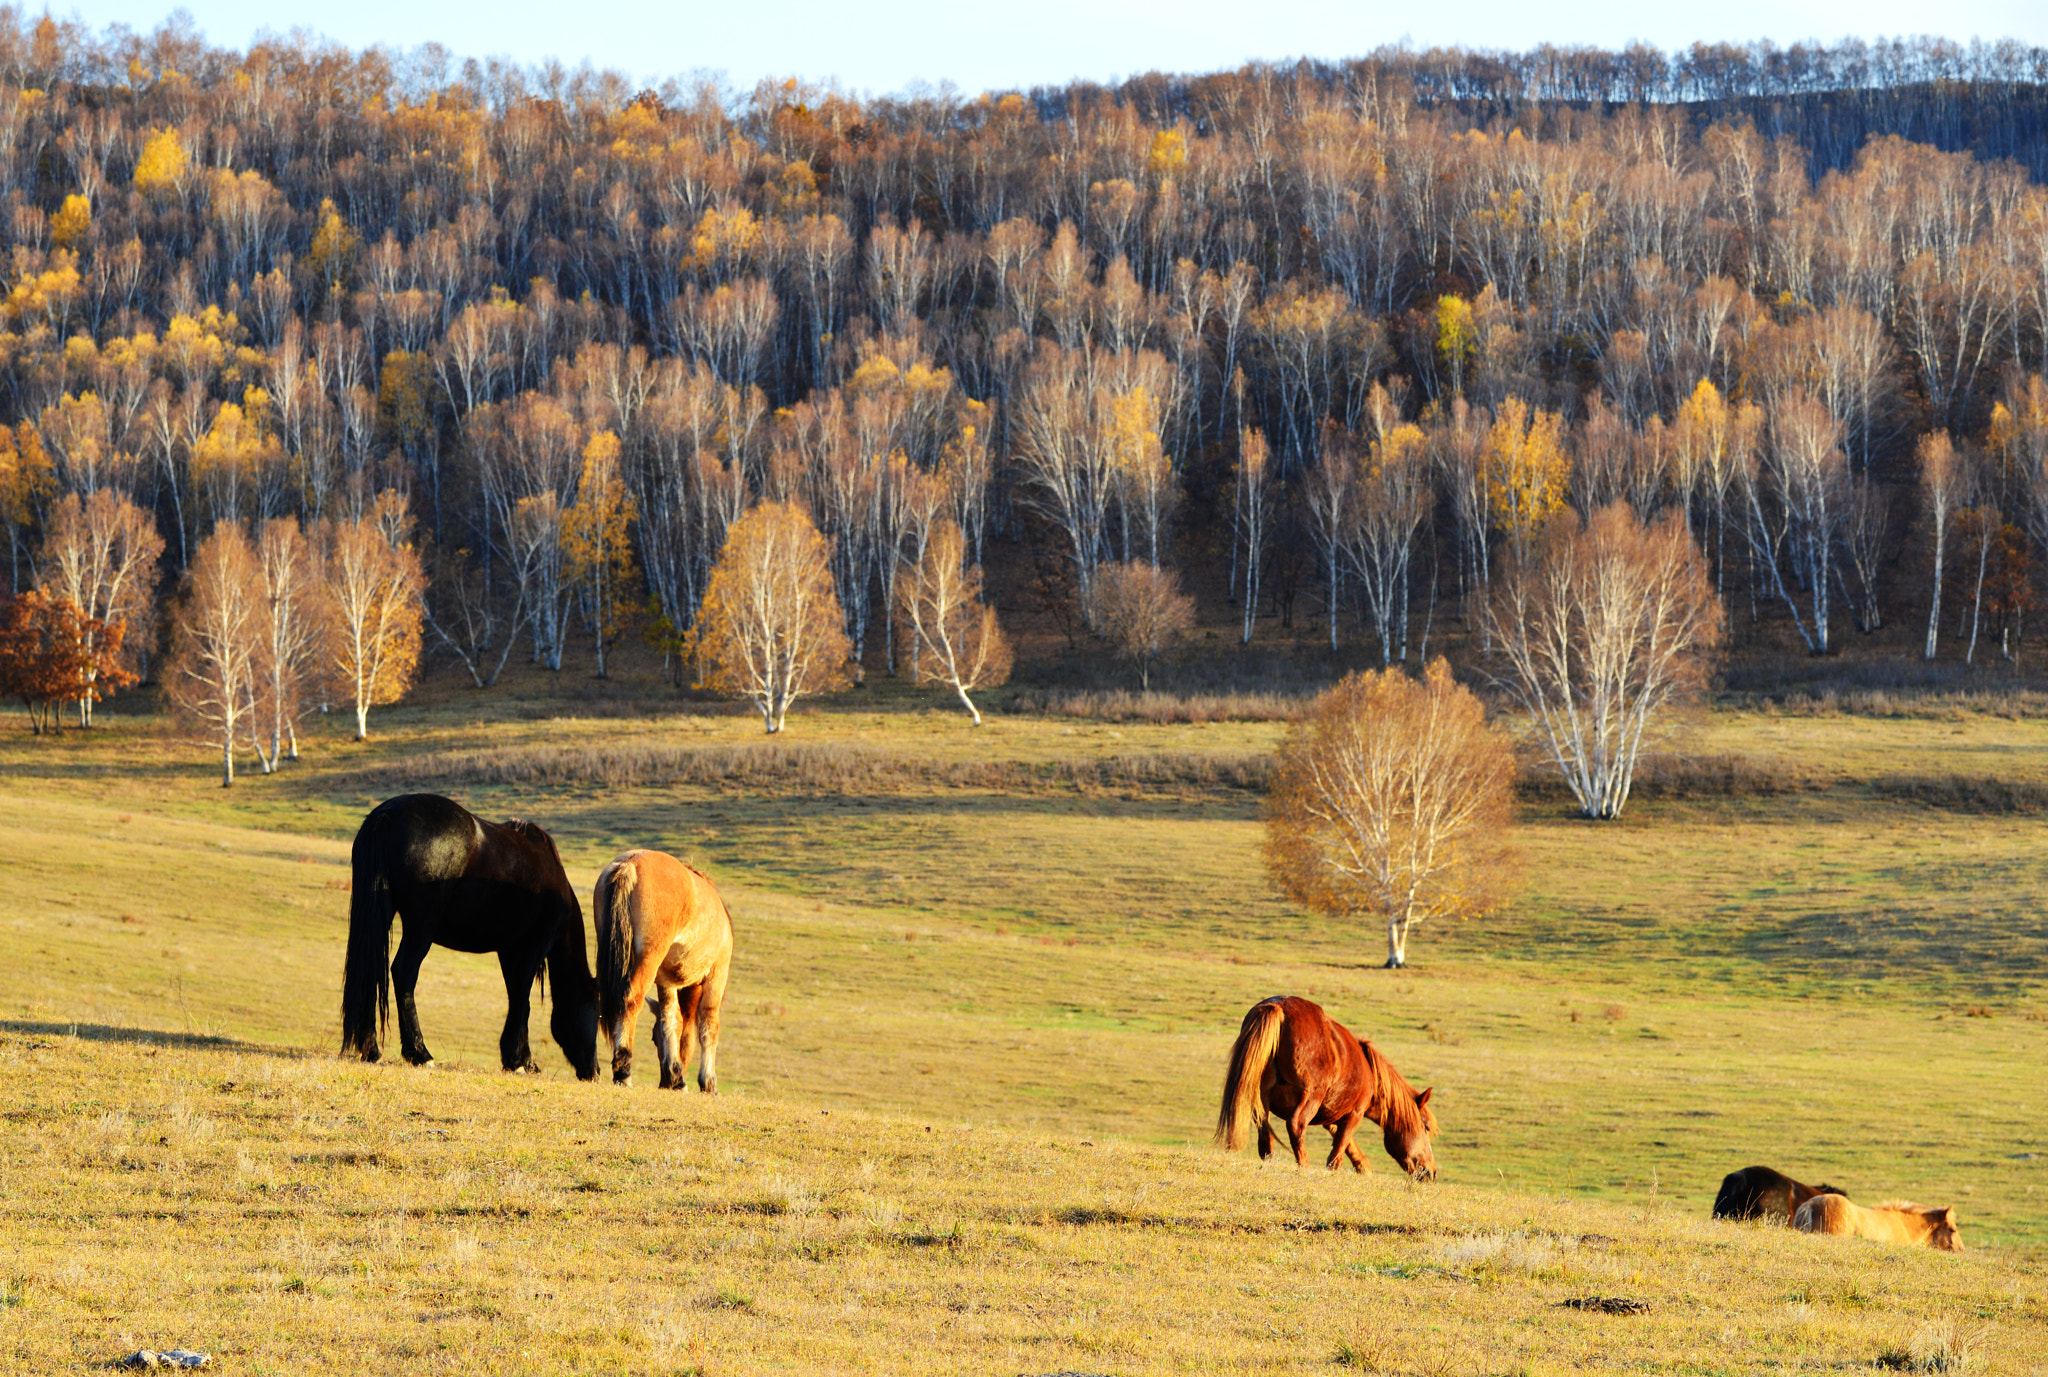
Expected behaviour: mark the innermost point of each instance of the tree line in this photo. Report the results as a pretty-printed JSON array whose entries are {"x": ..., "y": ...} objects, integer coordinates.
[{"x": 1342, "y": 340}]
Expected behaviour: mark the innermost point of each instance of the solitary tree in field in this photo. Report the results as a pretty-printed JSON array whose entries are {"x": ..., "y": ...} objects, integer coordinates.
[
  {"x": 770, "y": 629},
  {"x": 1392, "y": 803},
  {"x": 1142, "y": 612},
  {"x": 211, "y": 678},
  {"x": 959, "y": 642},
  {"x": 1605, "y": 624}
]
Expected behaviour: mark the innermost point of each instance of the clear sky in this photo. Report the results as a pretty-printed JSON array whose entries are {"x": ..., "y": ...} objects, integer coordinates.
[{"x": 879, "y": 48}]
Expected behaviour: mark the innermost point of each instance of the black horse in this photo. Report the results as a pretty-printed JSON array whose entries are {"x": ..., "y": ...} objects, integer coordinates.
[
  {"x": 473, "y": 886},
  {"x": 1759, "y": 1192}
]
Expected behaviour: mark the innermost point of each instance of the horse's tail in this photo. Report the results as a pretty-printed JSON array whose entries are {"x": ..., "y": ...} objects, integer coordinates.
[
  {"x": 366, "y": 974},
  {"x": 613, "y": 903},
  {"x": 1254, "y": 1048}
]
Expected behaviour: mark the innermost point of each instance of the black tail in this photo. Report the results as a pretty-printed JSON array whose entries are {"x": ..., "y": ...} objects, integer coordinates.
[
  {"x": 614, "y": 916},
  {"x": 366, "y": 977}
]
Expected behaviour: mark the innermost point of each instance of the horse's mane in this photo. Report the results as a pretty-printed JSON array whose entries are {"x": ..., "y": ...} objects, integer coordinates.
[{"x": 1394, "y": 1097}]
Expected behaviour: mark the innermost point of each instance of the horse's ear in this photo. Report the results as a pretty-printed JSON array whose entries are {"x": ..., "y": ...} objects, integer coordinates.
[
  {"x": 1423, "y": 1098},
  {"x": 1948, "y": 1214}
]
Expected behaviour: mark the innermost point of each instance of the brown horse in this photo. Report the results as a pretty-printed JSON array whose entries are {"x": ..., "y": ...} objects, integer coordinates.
[
  {"x": 1757, "y": 1192},
  {"x": 1895, "y": 1222},
  {"x": 1294, "y": 1060},
  {"x": 661, "y": 924}
]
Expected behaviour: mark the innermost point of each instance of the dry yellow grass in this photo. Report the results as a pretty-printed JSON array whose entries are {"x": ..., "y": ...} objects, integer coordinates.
[
  {"x": 304, "y": 1215},
  {"x": 1845, "y": 983}
]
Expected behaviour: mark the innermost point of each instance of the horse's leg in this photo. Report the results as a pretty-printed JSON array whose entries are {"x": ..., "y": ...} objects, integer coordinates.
[
  {"x": 667, "y": 1016},
  {"x": 707, "y": 1028},
  {"x": 1341, "y": 1145},
  {"x": 688, "y": 1002},
  {"x": 1297, "y": 1127},
  {"x": 645, "y": 970},
  {"x": 1265, "y": 1138},
  {"x": 519, "y": 969},
  {"x": 405, "y": 975},
  {"x": 1358, "y": 1162}
]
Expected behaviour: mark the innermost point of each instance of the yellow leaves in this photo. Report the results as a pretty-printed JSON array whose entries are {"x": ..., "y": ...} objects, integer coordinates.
[
  {"x": 724, "y": 240},
  {"x": 234, "y": 441},
  {"x": 68, "y": 227},
  {"x": 45, "y": 287},
  {"x": 197, "y": 346},
  {"x": 1457, "y": 341},
  {"x": 1134, "y": 433},
  {"x": 26, "y": 474},
  {"x": 1169, "y": 155},
  {"x": 1527, "y": 470},
  {"x": 770, "y": 628},
  {"x": 164, "y": 166},
  {"x": 877, "y": 373},
  {"x": 1392, "y": 800},
  {"x": 402, "y": 395},
  {"x": 332, "y": 256}
]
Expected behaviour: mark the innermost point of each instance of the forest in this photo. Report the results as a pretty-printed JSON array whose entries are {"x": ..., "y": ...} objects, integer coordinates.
[{"x": 485, "y": 361}]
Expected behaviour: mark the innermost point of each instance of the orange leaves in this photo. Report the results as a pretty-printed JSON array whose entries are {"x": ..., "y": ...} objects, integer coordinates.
[
  {"x": 51, "y": 653},
  {"x": 1392, "y": 800}
]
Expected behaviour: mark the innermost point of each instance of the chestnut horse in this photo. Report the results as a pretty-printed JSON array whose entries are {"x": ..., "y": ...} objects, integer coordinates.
[
  {"x": 1294, "y": 1060},
  {"x": 661, "y": 924},
  {"x": 1894, "y": 1222},
  {"x": 1755, "y": 1192},
  {"x": 471, "y": 885}
]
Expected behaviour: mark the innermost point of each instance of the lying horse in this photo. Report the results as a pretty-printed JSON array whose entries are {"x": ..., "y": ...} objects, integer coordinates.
[
  {"x": 661, "y": 924},
  {"x": 1896, "y": 1222},
  {"x": 473, "y": 886},
  {"x": 1294, "y": 1060},
  {"x": 1755, "y": 1192}
]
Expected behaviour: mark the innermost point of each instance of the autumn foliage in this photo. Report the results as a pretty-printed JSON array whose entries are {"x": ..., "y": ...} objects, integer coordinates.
[
  {"x": 52, "y": 654},
  {"x": 770, "y": 630},
  {"x": 1392, "y": 803}
]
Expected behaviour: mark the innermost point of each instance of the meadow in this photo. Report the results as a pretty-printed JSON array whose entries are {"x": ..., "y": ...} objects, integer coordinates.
[{"x": 984, "y": 987}]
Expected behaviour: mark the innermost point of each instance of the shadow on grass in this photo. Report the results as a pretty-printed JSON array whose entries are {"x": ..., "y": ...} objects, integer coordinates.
[{"x": 144, "y": 1037}]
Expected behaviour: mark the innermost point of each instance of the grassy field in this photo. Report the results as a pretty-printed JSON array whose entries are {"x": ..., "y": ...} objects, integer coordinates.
[{"x": 984, "y": 987}]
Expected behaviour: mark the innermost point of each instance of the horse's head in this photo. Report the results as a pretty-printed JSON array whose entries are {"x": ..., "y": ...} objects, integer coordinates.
[
  {"x": 1407, "y": 1138},
  {"x": 1945, "y": 1235}
]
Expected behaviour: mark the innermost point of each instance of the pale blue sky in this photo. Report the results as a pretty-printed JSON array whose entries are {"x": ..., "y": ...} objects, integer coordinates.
[{"x": 877, "y": 48}]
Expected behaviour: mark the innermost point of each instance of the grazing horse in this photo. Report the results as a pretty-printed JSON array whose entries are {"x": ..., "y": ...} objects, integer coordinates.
[
  {"x": 473, "y": 886},
  {"x": 1894, "y": 1222},
  {"x": 1755, "y": 1192},
  {"x": 1294, "y": 1060},
  {"x": 661, "y": 924}
]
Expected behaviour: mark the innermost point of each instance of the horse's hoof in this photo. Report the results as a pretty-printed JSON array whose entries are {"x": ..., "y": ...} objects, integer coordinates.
[{"x": 710, "y": 1087}]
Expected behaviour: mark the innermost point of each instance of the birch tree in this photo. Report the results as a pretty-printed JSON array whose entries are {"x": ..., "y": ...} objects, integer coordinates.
[
  {"x": 960, "y": 644},
  {"x": 1942, "y": 479},
  {"x": 1391, "y": 802},
  {"x": 373, "y": 586},
  {"x": 211, "y": 676},
  {"x": 291, "y": 622},
  {"x": 1603, "y": 628},
  {"x": 769, "y": 629}
]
